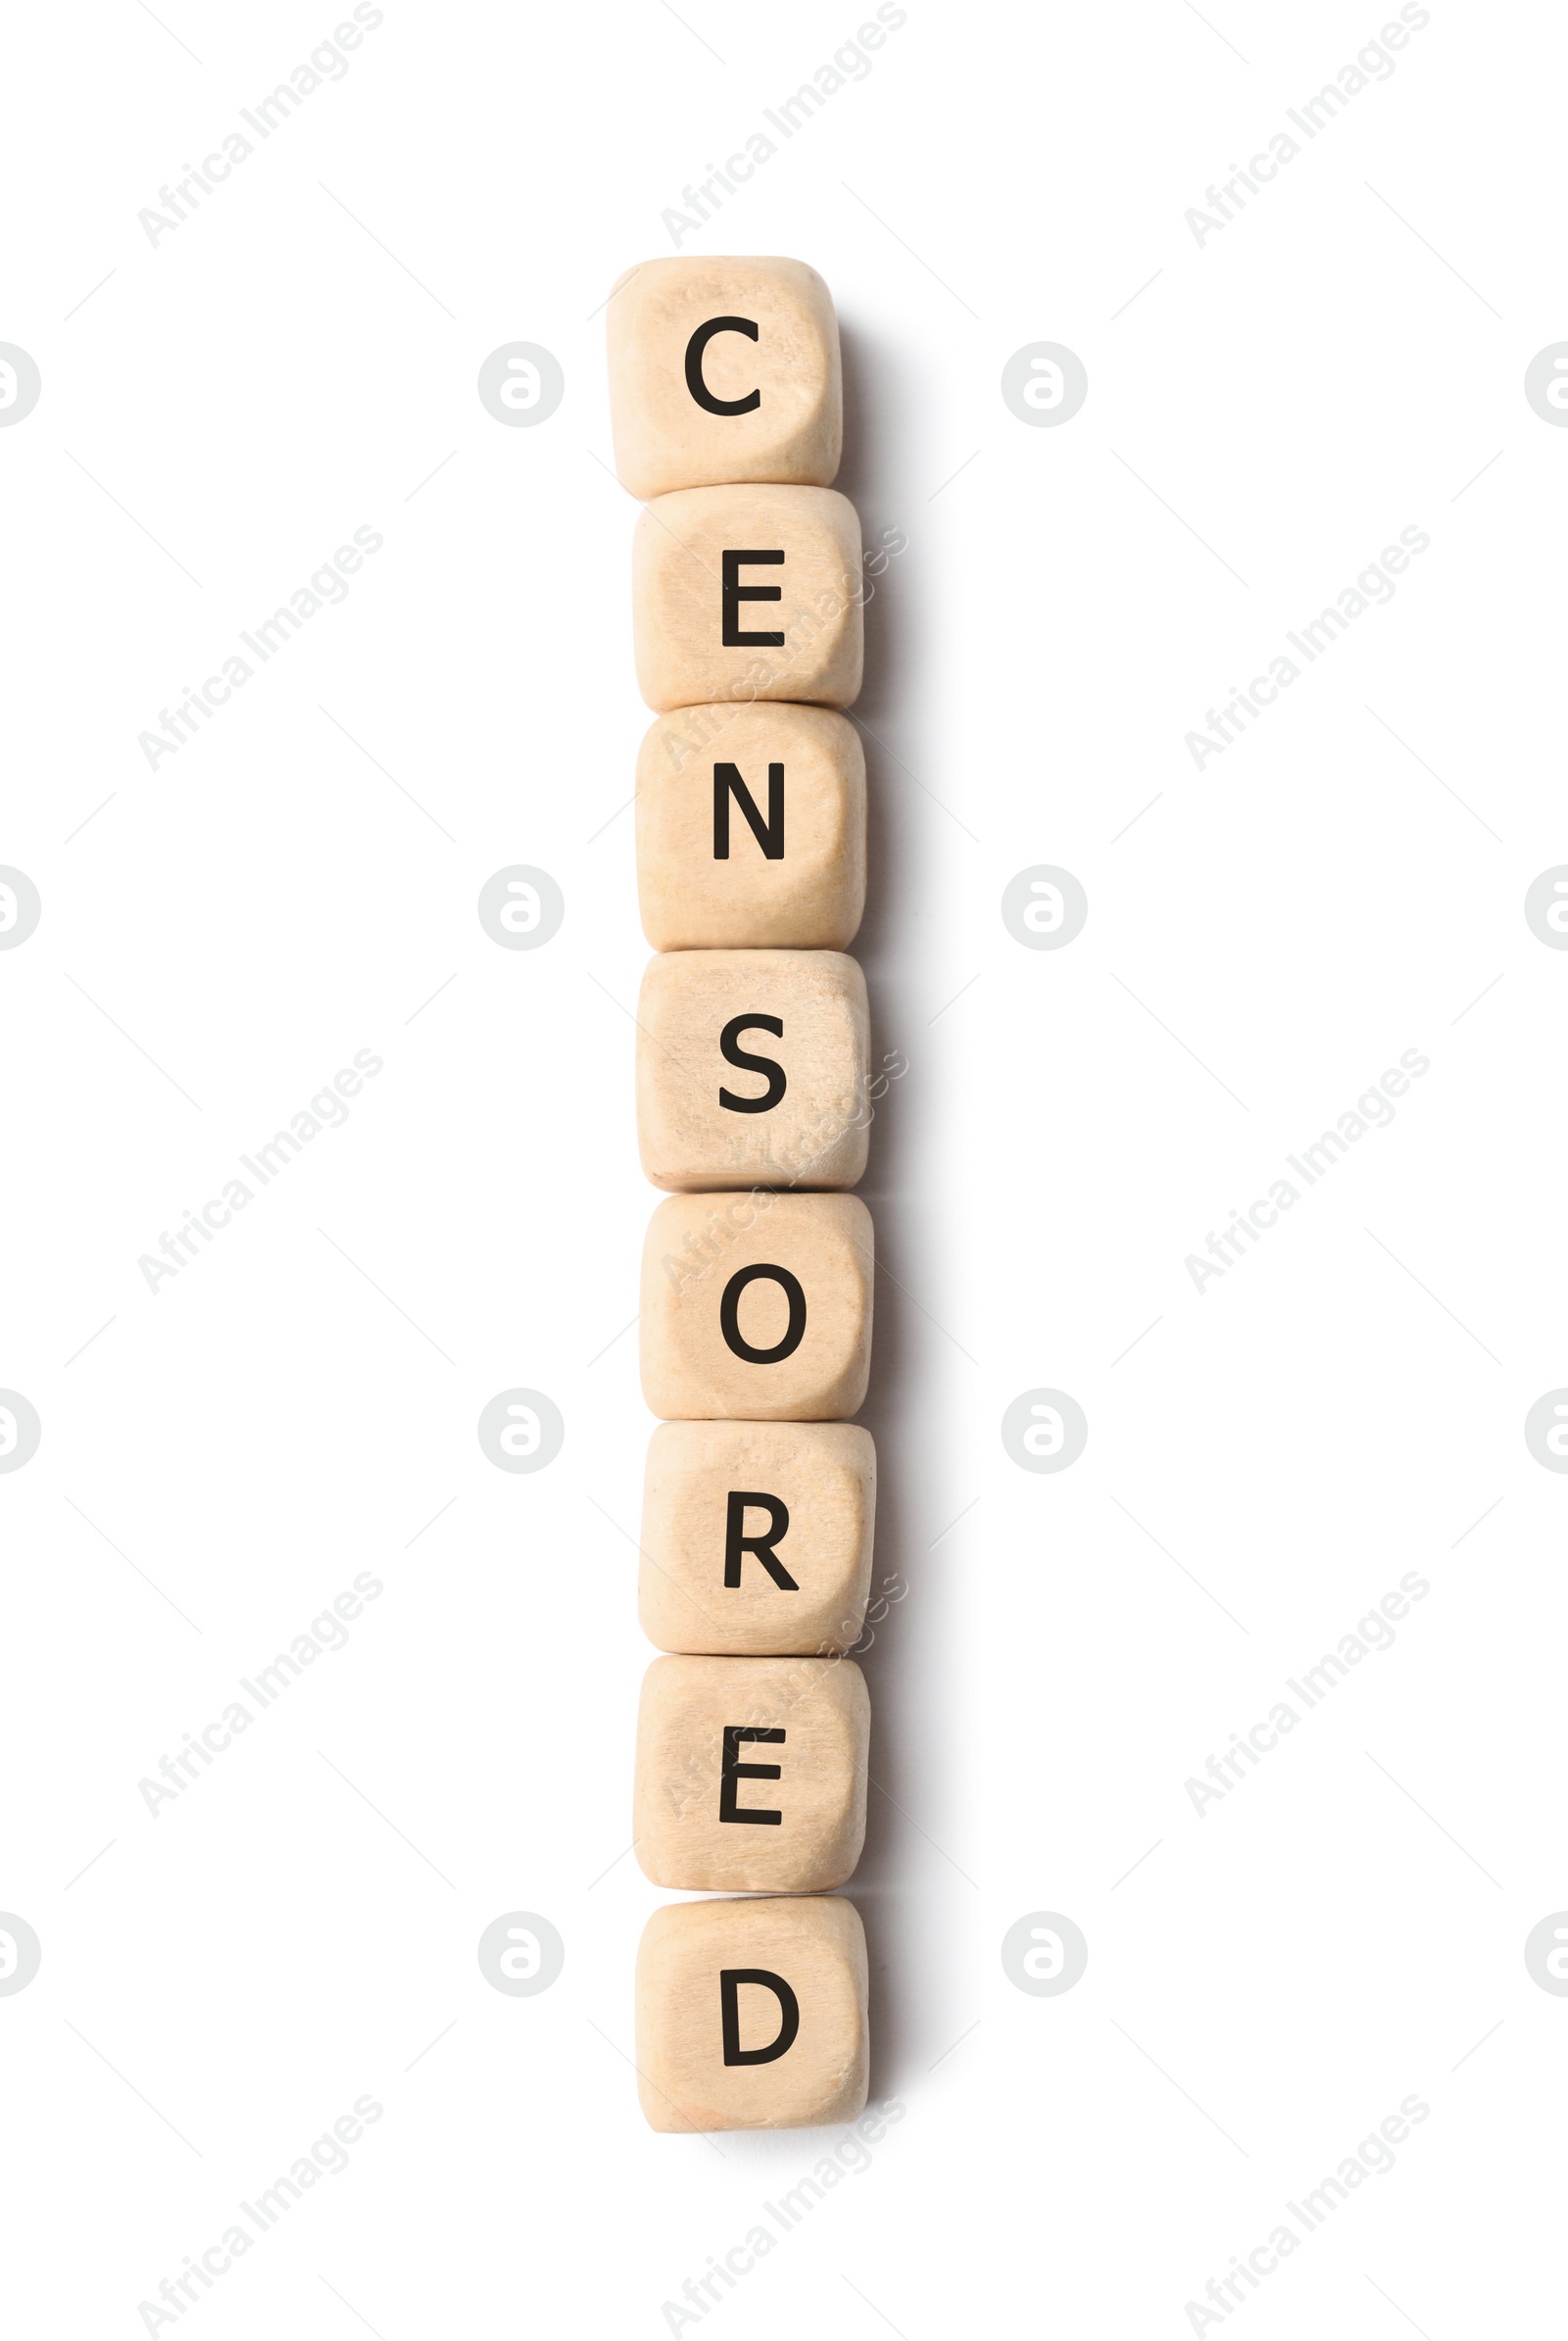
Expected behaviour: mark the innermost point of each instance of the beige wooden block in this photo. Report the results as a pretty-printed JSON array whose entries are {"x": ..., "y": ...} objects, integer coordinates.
[
  {"x": 723, "y": 369},
  {"x": 757, "y": 1536},
  {"x": 757, "y": 1305},
  {"x": 750, "y": 828},
  {"x": 750, "y": 1774},
  {"x": 751, "y": 2015},
  {"x": 752, "y": 1070},
  {"x": 748, "y": 593}
]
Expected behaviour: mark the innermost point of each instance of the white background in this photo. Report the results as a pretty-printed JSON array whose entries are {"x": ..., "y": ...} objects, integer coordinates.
[{"x": 1267, "y": 410}]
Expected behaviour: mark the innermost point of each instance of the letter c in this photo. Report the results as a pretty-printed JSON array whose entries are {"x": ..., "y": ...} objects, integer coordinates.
[
  {"x": 694, "y": 368},
  {"x": 226, "y": 691},
  {"x": 1251, "y": 2262},
  {"x": 216, "y": 1746},
  {"x": 1252, "y": 1211},
  {"x": 1256, "y": 164},
  {"x": 746, "y": 2265},
  {"x": 1259, "y": 688},
  {"x": 733, "y": 163},
  {"x": 215, "y": 1224},
  {"x": 223, "y": 2266},
  {"x": 210, "y": 163},
  {"x": 1262, "y": 1746}
]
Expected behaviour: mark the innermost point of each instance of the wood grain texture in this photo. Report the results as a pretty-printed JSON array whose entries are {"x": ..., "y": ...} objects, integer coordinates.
[
  {"x": 707, "y": 1119},
  {"x": 678, "y": 597},
  {"x": 664, "y": 436},
  {"x": 690, "y": 1712},
  {"x": 818, "y": 1947},
  {"x": 698, "y": 1290},
  {"x": 810, "y": 895},
  {"x": 821, "y": 1476}
]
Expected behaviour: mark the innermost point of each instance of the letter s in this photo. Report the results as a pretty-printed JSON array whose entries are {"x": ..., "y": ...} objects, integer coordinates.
[{"x": 731, "y": 1049}]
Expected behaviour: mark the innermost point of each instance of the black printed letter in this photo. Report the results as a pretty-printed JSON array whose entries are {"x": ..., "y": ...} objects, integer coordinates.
[
  {"x": 694, "y": 368},
  {"x": 731, "y": 1049},
  {"x": 734, "y": 594},
  {"x": 737, "y": 1544},
  {"x": 730, "y": 1317},
  {"x": 769, "y": 834},
  {"x": 732, "y": 1770},
  {"x": 730, "y": 1979}
]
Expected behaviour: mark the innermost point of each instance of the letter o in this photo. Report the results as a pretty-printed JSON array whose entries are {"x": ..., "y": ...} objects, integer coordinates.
[{"x": 764, "y": 1271}]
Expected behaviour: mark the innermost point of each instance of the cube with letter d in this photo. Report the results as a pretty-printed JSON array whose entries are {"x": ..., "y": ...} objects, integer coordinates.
[{"x": 751, "y": 2015}]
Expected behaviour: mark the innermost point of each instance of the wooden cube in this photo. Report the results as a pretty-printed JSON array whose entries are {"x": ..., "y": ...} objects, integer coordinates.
[
  {"x": 723, "y": 369},
  {"x": 750, "y": 1774},
  {"x": 757, "y": 1305},
  {"x": 757, "y": 1536},
  {"x": 751, "y": 2015},
  {"x": 750, "y": 828},
  {"x": 752, "y": 1070},
  {"x": 748, "y": 593}
]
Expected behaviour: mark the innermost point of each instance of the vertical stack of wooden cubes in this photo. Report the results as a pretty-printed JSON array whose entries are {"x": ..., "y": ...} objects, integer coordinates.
[{"x": 753, "y": 1110}]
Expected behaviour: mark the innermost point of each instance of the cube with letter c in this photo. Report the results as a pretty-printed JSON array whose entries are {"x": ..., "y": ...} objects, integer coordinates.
[{"x": 723, "y": 369}]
